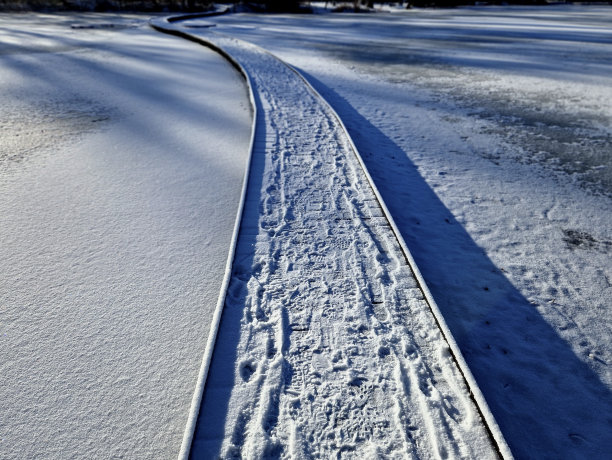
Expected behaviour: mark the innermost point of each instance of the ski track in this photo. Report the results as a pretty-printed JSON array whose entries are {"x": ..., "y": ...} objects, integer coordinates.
[{"x": 337, "y": 352}]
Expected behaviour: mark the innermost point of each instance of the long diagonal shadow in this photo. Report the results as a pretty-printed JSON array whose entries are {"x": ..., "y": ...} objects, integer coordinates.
[{"x": 541, "y": 393}]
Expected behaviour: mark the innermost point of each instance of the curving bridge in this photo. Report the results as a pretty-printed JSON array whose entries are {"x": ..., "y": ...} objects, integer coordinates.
[{"x": 326, "y": 341}]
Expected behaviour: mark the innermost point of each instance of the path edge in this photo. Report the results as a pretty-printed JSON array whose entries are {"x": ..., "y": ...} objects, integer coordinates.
[{"x": 164, "y": 25}]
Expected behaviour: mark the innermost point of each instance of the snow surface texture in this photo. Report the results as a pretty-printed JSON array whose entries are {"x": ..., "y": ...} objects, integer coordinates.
[
  {"x": 122, "y": 155},
  {"x": 466, "y": 120},
  {"x": 327, "y": 346}
]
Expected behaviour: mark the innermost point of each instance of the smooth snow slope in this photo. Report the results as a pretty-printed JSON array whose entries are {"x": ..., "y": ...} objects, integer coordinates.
[
  {"x": 122, "y": 155},
  {"x": 487, "y": 131},
  {"x": 327, "y": 346}
]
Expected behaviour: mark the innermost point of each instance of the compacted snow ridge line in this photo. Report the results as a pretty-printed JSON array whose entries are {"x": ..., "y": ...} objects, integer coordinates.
[
  {"x": 216, "y": 320},
  {"x": 340, "y": 348}
]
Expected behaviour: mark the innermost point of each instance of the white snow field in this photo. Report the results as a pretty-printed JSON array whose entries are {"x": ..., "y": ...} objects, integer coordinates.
[
  {"x": 328, "y": 345},
  {"x": 122, "y": 155},
  {"x": 488, "y": 133}
]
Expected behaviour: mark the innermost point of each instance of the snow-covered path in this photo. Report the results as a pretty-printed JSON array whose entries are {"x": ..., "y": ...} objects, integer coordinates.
[{"x": 327, "y": 344}]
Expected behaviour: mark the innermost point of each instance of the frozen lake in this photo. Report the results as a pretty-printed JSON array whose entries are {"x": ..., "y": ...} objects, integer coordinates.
[{"x": 122, "y": 156}]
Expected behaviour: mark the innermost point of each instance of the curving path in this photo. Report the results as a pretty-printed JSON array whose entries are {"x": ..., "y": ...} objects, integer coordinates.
[{"x": 329, "y": 343}]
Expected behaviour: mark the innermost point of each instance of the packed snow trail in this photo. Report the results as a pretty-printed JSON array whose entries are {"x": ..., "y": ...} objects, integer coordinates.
[{"x": 327, "y": 345}]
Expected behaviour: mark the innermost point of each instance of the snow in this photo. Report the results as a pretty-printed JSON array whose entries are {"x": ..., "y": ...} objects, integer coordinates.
[
  {"x": 489, "y": 139},
  {"x": 487, "y": 132},
  {"x": 122, "y": 159}
]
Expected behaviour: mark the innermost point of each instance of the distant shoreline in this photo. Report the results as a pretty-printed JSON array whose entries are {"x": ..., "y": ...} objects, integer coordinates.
[{"x": 150, "y": 6}]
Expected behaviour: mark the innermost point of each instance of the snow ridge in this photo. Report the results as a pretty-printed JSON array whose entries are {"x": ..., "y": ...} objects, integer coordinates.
[{"x": 327, "y": 344}]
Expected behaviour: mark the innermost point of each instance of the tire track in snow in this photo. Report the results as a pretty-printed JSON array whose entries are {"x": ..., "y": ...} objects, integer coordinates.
[{"x": 327, "y": 345}]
